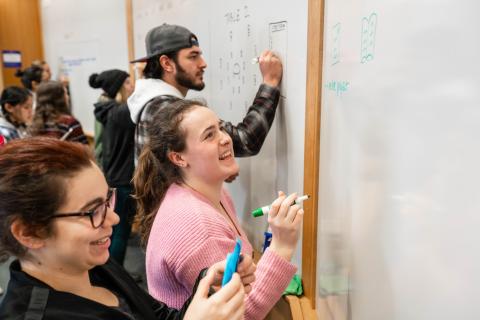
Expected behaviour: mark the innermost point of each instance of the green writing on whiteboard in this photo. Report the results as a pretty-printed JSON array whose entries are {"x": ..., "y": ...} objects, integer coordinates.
[
  {"x": 339, "y": 87},
  {"x": 369, "y": 30}
]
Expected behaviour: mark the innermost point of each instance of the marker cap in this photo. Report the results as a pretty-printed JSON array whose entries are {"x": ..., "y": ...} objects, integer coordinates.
[
  {"x": 260, "y": 211},
  {"x": 257, "y": 212}
]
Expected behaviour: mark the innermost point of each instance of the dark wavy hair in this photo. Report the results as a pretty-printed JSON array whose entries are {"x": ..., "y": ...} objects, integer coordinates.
[
  {"x": 153, "y": 68},
  {"x": 51, "y": 103},
  {"x": 33, "y": 174},
  {"x": 155, "y": 172},
  {"x": 30, "y": 75}
]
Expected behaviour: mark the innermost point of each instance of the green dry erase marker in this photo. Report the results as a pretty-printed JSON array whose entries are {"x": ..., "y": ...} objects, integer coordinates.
[{"x": 264, "y": 210}]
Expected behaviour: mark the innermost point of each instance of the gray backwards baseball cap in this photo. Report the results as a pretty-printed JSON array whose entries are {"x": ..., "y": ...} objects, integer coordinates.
[{"x": 167, "y": 38}]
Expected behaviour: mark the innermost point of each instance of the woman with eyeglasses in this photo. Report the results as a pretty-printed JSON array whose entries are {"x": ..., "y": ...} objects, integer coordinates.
[
  {"x": 56, "y": 217},
  {"x": 16, "y": 112}
]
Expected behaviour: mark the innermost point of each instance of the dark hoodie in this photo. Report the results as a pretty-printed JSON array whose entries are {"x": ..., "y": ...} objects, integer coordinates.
[{"x": 118, "y": 142}]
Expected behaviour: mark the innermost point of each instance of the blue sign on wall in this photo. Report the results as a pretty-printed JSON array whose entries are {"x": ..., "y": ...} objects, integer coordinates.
[{"x": 11, "y": 58}]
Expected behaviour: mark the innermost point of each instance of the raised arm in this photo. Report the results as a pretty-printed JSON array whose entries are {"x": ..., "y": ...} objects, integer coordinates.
[{"x": 248, "y": 136}]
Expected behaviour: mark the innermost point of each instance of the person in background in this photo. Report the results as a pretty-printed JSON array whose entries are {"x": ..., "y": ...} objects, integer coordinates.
[
  {"x": 46, "y": 71},
  {"x": 2, "y": 142},
  {"x": 30, "y": 77},
  {"x": 114, "y": 91},
  {"x": 118, "y": 132},
  {"x": 98, "y": 139},
  {"x": 53, "y": 117},
  {"x": 56, "y": 218},
  {"x": 175, "y": 65},
  {"x": 16, "y": 112},
  {"x": 187, "y": 217}
]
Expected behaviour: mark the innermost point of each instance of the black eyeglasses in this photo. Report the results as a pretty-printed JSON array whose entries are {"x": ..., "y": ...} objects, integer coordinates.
[{"x": 97, "y": 215}]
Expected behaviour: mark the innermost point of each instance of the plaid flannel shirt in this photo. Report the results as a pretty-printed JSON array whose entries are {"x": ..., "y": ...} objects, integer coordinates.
[
  {"x": 8, "y": 130},
  {"x": 247, "y": 136},
  {"x": 9, "y": 133}
]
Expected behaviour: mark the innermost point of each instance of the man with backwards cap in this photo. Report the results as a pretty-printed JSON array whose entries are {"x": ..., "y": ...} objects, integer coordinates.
[{"x": 174, "y": 65}]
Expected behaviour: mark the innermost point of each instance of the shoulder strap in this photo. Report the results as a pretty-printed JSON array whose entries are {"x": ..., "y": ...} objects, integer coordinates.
[
  {"x": 162, "y": 99},
  {"x": 37, "y": 304},
  {"x": 139, "y": 117}
]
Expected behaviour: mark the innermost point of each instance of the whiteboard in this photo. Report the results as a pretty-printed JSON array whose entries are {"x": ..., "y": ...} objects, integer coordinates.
[
  {"x": 80, "y": 38},
  {"x": 399, "y": 196},
  {"x": 231, "y": 33}
]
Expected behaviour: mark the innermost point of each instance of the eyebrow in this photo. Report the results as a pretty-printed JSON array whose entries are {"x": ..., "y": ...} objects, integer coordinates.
[
  {"x": 96, "y": 201},
  {"x": 208, "y": 129},
  {"x": 195, "y": 52}
]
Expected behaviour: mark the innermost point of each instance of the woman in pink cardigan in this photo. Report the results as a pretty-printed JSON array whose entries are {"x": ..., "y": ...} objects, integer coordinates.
[{"x": 188, "y": 220}]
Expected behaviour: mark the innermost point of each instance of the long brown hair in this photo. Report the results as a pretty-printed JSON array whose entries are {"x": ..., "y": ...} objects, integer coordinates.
[
  {"x": 155, "y": 172},
  {"x": 51, "y": 104},
  {"x": 33, "y": 174}
]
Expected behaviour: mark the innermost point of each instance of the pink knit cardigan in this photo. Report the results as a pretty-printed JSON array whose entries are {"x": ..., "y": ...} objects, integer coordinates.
[{"x": 188, "y": 234}]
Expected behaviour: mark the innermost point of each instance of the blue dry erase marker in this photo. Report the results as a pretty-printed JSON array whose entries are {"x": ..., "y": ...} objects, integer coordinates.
[
  {"x": 267, "y": 241},
  {"x": 232, "y": 263},
  {"x": 264, "y": 210}
]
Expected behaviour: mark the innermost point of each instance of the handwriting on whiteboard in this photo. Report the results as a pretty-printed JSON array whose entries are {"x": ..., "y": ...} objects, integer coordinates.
[
  {"x": 237, "y": 15},
  {"x": 369, "y": 29},
  {"x": 339, "y": 87},
  {"x": 367, "y": 47},
  {"x": 336, "y": 44},
  {"x": 236, "y": 76}
]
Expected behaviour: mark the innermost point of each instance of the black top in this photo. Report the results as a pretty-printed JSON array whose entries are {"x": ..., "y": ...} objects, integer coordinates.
[
  {"x": 30, "y": 298},
  {"x": 117, "y": 142}
]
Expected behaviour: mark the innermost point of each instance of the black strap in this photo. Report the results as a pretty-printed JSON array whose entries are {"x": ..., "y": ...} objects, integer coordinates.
[
  {"x": 139, "y": 117},
  {"x": 162, "y": 99},
  {"x": 37, "y": 304}
]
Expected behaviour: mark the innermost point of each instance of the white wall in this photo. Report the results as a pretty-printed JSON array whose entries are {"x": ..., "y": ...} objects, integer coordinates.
[{"x": 82, "y": 37}]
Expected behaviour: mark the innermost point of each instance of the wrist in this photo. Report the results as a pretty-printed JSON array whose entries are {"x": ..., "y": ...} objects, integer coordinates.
[
  {"x": 281, "y": 250},
  {"x": 271, "y": 82}
]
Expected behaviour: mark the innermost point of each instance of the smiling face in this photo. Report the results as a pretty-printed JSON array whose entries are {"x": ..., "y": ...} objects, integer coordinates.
[
  {"x": 208, "y": 155},
  {"x": 75, "y": 245}
]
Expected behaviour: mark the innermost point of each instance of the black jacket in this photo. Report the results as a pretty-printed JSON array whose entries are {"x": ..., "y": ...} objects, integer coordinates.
[
  {"x": 26, "y": 294},
  {"x": 117, "y": 142}
]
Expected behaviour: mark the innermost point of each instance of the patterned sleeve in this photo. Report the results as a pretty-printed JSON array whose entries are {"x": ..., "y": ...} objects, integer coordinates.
[
  {"x": 248, "y": 136},
  {"x": 8, "y": 134},
  {"x": 72, "y": 130}
]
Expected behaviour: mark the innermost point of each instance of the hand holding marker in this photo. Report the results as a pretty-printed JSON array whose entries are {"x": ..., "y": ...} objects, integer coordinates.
[{"x": 265, "y": 209}]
